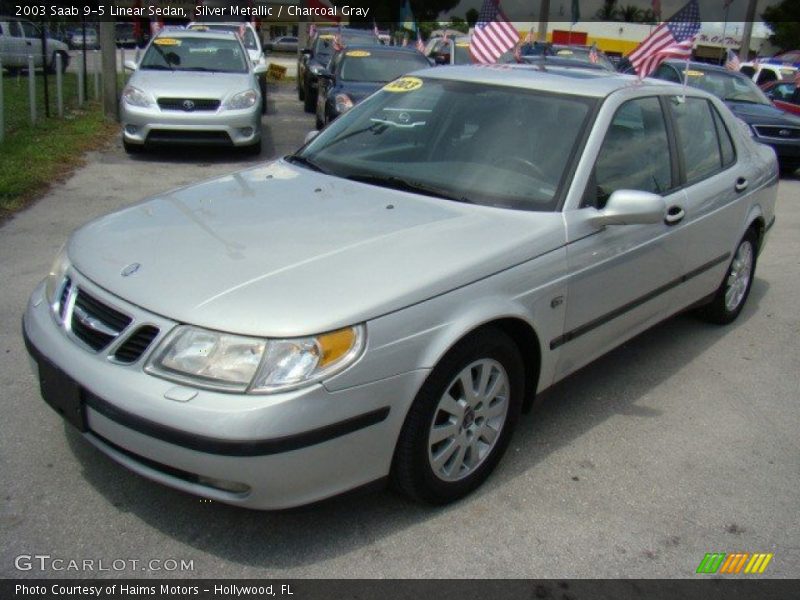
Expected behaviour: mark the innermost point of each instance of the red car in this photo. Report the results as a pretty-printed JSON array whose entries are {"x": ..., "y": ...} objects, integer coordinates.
[{"x": 784, "y": 94}]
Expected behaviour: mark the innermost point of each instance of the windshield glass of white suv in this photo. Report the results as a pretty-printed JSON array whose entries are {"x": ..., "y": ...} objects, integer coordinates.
[
  {"x": 195, "y": 54},
  {"x": 726, "y": 86},
  {"x": 490, "y": 145}
]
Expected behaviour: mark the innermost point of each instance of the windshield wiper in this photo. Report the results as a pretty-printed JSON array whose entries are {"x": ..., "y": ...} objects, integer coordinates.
[
  {"x": 296, "y": 159},
  {"x": 742, "y": 100},
  {"x": 397, "y": 183},
  {"x": 157, "y": 68}
]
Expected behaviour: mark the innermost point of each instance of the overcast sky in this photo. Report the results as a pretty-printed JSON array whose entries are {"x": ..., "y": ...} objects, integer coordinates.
[{"x": 561, "y": 10}]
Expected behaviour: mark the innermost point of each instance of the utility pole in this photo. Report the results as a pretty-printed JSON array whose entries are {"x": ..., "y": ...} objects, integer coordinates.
[
  {"x": 108, "y": 55},
  {"x": 544, "y": 15},
  {"x": 749, "y": 17}
]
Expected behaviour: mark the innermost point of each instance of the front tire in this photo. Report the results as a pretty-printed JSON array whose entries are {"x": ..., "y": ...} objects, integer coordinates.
[
  {"x": 310, "y": 101},
  {"x": 462, "y": 419},
  {"x": 732, "y": 293}
]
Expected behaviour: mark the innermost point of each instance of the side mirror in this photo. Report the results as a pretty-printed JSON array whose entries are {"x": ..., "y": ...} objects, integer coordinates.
[
  {"x": 259, "y": 68},
  {"x": 325, "y": 74},
  {"x": 441, "y": 59},
  {"x": 306, "y": 51},
  {"x": 310, "y": 136},
  {"x": 630, "y": 207},
  {"x": 130, "y": 65}
]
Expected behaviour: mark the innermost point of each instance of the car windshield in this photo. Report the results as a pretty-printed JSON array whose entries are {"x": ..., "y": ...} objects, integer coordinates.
[
  {"x": 244, "y": 32},
  {"x": 727, "y": 86},
  {"x": 361, "y": 65},
  {"x": 469, "y": 142},
  {"x": 195, "y": 54},
  {"x": 323, "y": 46}
]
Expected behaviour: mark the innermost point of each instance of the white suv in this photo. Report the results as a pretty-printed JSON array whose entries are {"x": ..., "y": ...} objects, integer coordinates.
[
  {"x": 763, "y": 73},
  {"x": 20, "y": 38}
]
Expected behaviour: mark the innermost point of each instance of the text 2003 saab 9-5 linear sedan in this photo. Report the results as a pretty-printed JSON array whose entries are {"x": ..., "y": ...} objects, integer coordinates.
[{"x": 386, "y": 301}]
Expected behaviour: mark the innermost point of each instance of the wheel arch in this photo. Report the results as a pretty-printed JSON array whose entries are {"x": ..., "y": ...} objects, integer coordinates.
[{"x": 523, "y": 334}]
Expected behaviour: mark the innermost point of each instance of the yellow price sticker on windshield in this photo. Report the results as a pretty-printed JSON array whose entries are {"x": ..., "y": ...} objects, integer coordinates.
[
  {"x": 462, "y": 44},
  {"x": 327, "y": 36},
  {"x": 695, "y": 73},
  {"x": 404, "y": 84},
  {"x": 358, "y": 53},
  {"x": 565, "y": 53},
  {"x": 199, "y": 28},
  {"x": 167, "y": 42}
]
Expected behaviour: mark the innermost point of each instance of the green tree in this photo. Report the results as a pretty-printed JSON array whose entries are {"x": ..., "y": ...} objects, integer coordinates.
[
  {"x": 784, "y": 21},
  {"x": 472, "y": 16},
  {"x": 609, "y": 11},
  {"x": 459, "y": 24},
  {"x": 630, "y": 14}
]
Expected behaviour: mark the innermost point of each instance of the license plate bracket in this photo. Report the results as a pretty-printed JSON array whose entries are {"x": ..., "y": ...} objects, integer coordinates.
[{"x": 62, "y": 394}]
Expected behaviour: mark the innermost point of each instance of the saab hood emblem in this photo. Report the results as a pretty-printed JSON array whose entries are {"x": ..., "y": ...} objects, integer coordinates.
[{"x": 131, "y": 269}]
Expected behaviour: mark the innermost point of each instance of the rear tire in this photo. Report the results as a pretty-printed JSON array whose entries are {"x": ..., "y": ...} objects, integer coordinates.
[
  {"x": 132, "y": 148},
  {"x": 252, "y": 149},
  {"x": 732, "y": 293},
  {"x": 462, "y": 419},
  {"x": 310, "y": 102}
]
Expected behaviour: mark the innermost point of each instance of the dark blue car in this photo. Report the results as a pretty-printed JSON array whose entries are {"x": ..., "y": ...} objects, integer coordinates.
[
  {"x": 768, "y": 124},
  {"x": 358, "y": 71}
]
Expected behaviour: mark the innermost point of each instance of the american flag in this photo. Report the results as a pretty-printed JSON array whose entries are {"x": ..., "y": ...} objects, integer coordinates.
[
  {"x": 493, "y": 34},
  {"x": 732, "y": 61},
  {"x": 420, "y": 43},
  {"x": 593, "y": 58},
  {"x": 672, "y": 39}
]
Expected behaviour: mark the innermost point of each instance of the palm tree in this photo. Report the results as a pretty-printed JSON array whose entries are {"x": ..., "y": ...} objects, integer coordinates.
[
  {"x": 631, "y": 14},
  {"x": 609, "y": 11}
]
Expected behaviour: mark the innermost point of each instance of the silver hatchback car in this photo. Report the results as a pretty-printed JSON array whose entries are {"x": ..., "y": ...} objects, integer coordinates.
[
  {"x": 385, "y": 302},
  {"x": 192, "y": 87}
]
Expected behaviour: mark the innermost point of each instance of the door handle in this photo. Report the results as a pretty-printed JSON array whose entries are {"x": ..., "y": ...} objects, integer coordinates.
[
  {"x": 675, "y": 215},
  {"x": 741, "y": 184}
]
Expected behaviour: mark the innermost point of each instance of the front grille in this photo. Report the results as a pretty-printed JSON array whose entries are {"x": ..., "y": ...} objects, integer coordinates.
[
  {"x": 199, "y": 104},
  {"x": 62, "y": 300},
  {"x": 137, "y": 343},
  {"x": 95, "y": 323},
  {"x": 778, "y": 132},
  {"x": 167, "y": 136}
]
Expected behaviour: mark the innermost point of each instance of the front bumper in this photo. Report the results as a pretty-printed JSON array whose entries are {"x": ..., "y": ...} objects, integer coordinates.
[
  {"x": 154, "y": 126},
  {"x": 279, "y": 450}
]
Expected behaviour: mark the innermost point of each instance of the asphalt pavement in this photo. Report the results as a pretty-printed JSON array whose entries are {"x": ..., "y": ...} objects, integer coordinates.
[{"x": 681, "y": 442}]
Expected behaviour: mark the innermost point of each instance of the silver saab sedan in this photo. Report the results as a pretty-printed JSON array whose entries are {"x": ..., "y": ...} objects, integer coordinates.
[
  {"x": 192, "y": 87},
  {"x": 385, "y": 302}
]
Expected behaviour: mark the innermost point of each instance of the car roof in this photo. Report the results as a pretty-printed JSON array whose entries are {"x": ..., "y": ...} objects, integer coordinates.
[
  {"x": 182, "y": 33},
  {"x": 379, "y": 49},
  {"x": 593, "y": 83},
  {"x": 223, "y": 23}
]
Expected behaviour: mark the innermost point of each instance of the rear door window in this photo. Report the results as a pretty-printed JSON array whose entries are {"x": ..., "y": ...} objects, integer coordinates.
[{"x": 697, "y": 137}]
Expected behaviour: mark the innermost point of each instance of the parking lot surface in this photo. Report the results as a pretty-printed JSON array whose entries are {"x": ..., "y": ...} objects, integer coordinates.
[{"x": 681, "y": 442}]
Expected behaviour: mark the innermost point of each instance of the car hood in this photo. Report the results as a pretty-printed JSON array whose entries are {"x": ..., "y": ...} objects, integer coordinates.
[
  {"x": 191, "y": 84},
  {"x": 279, "y": 250},
  {"x": 762, "y": 113}
]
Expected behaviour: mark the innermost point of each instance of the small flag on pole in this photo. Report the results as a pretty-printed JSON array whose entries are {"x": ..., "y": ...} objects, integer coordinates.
[
  {"x": 672, "y": 39},
  {"x": 493, "y": 34},
  {"x": 732, "y": 62},
  {"x": 420, "y": 43}
]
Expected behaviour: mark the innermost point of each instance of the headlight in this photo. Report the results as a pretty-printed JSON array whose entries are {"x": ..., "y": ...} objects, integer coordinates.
[
  {"x": 316, "y": 69},
  {"x": 236, "y": 363},
  {"x": 244, "y": 99},
  {"x": 135, "y": 97},
  {"x": 343, "y": 103},
  {"x": 55, "y": 278}
]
